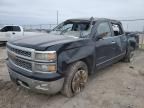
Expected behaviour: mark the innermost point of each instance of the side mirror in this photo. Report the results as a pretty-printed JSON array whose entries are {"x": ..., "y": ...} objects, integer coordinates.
[{"x": 100, "y": 36}]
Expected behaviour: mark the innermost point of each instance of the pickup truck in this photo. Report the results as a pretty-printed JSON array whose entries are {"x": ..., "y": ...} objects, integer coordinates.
[
  {"x": 63, "y": 59},
  {"x": 10, "y": 31}
]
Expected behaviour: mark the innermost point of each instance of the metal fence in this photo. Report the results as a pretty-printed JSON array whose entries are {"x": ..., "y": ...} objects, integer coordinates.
[
  {"x": 39, "y": 27},
  {"x": 136, "y": 25},
  {"x": 31, "y": 27},
  {"x": 133, "y": 25},
  {"x": 129, "y": 25},
  {"x": 141, "y": 41}
]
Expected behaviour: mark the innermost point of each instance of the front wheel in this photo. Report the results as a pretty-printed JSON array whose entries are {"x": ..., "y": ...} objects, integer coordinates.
[{"x": 75, "y": 79}]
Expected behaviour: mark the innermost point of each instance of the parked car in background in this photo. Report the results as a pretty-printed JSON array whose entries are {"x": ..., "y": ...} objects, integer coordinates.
[
  {"x": 63, "y": 59},
  {"x": 10, "y": 31}
]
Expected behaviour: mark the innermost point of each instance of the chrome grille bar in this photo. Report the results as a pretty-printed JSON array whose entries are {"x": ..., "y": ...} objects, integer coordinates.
[
  {"x": 26, "y": 53},
  {"x": 21, "y": 57}
]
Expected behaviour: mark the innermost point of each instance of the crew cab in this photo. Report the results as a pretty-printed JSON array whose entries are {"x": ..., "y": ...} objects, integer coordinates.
[
  {"x": 63, "y": 59},
  {"x": 10, "y": 31}
]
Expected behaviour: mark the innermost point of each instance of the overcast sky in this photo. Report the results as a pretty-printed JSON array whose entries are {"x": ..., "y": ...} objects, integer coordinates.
[{"x": 44, "y": 11}]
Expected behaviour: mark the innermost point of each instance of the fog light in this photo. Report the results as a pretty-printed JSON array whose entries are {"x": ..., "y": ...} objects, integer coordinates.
[
  {"x": 51, "y": 68},
  {"x": 46, "y": 67}
]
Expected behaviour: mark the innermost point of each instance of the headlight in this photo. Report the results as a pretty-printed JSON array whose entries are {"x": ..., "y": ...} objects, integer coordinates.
[
  {"x": 46, "y": 56},
  {"x": 46, "y": 67}
]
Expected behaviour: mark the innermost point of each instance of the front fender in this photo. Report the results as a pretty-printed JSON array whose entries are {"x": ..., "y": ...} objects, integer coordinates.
[{"x": 86, "y": 53}]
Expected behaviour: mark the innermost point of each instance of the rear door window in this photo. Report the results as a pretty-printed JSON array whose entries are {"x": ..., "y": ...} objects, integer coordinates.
[
  {"x": 16, "y": 28},
  {"x": 9, "y": 28},
  {"x": 117, "y": 29}
]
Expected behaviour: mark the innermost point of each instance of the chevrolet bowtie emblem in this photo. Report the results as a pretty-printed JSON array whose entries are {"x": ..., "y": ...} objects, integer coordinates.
[{"x": 13, "y": 55}]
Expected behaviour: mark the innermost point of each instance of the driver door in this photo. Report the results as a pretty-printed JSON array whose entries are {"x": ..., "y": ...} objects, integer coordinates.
[{"x": 104, "y": 46}]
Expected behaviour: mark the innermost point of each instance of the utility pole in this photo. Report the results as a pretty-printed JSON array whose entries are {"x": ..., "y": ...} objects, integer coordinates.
[
  {"x": 142, "y": 38},
  {"x": 57, "y": 17}
]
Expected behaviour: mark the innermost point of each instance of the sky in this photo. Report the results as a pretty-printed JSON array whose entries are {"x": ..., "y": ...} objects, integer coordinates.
[{"x": 44, "y": 11}]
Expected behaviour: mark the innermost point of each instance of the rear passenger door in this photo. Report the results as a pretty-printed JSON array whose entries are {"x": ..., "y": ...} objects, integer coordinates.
[
  {"x": 16, "y": 31},
  {"x": 119, "y": 38},
  {"x": 105, "y": 47}
]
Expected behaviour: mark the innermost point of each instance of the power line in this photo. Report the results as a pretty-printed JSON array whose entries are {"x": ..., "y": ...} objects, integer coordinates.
[{"x": 132, "y": 20}]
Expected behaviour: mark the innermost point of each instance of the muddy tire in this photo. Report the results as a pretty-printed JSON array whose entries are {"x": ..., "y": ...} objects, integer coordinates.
[
  {"x": 75, "y": 79},
  {"x": 129, "y": 56}
]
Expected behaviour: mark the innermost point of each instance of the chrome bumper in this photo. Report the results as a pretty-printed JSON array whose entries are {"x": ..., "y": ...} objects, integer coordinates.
[
  {"x": 4, "y": 39},
  {"x": 51, "y": 87}
]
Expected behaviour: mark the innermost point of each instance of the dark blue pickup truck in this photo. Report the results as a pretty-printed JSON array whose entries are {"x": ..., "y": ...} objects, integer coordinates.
[{"x": 63, "y": 59}]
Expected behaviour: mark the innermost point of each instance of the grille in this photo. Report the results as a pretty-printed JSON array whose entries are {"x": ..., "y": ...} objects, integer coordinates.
[
  {"x": 21, "y": 63},
  {"x": 19, "y": 52}
]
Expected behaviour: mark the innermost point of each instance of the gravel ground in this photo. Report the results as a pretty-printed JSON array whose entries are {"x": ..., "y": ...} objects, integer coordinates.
[{"x": 118, "y": 86}]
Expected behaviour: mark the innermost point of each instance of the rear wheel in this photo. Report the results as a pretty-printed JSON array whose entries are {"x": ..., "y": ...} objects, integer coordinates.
[
  {"x": 76, "y": 79},
  {"x": 129, "y": 55}
]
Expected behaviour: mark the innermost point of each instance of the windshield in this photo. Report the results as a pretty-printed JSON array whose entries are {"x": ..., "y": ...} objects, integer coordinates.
[{"x": 73, "y": 28}]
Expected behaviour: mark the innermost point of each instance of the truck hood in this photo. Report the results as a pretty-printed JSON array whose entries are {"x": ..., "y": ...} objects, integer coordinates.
[{"x": 41, "y": 42}]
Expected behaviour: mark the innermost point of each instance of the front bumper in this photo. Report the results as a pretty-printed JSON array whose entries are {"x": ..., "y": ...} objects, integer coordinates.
[
  {"x": 48, "y": 87},
  {"x": 4, "y": 39}
]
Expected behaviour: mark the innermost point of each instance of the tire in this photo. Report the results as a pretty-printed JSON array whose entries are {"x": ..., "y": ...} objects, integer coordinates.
[
  {"x": 73, "y": 72},
  {"x": 128, "y": 57}
]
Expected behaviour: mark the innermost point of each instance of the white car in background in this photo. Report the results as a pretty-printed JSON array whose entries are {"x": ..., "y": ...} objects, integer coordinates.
[
  {"x": 14, "y": 31},
  {"x": 10, "y": 31}
]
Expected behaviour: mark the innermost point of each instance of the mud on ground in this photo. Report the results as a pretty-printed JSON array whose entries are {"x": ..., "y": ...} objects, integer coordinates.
[{"x": 118, "y": 86}]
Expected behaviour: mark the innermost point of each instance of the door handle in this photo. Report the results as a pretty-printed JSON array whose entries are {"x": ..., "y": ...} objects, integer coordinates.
[
  {"x": 113, "y": 42},
  {"x": 13, "y": 33}
]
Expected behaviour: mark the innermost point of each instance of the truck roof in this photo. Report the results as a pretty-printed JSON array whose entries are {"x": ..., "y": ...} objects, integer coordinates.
[
  {"x": 92, "y": 18},
  {"x": 12, "y": 25}
]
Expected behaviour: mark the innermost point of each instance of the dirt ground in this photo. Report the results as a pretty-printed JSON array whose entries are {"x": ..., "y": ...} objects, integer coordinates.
[{"x": 118, "y": 86}]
